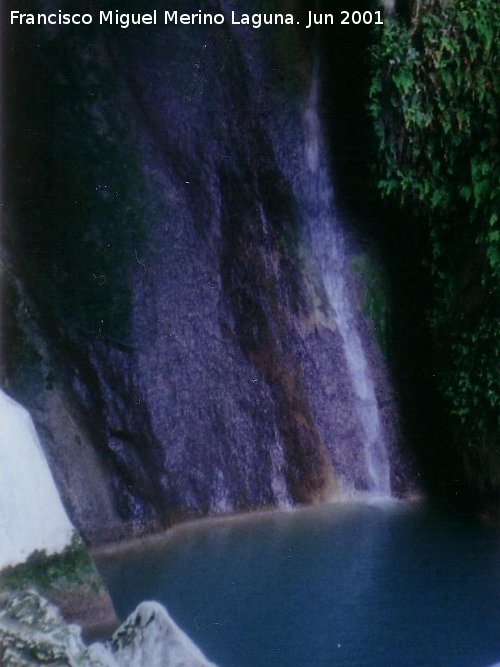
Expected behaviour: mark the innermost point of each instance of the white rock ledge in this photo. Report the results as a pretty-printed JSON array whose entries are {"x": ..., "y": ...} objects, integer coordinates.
[
  {"x": 151, "y": 637},
  {"x": 32, "y": 517}
]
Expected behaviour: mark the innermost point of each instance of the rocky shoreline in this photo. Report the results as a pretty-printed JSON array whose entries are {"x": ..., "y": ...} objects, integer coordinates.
[
  {"x": 70, "y": 581},
  {"x": 33, "y": 632}
]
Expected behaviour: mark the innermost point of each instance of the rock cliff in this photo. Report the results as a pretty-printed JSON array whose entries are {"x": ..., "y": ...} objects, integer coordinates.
[{"x": 168, "y": 324}]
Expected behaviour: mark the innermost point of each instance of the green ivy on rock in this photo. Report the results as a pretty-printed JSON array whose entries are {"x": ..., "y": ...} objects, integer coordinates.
[{"x": 434, "y": 99}]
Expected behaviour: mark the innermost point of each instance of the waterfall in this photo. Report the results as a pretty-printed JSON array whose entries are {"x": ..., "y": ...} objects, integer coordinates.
[{"x": 328, "y": 247}]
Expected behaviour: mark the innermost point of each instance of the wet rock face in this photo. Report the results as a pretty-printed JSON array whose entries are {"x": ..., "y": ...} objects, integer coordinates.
[
  {"x": 169, "y": 331},
  {"x": 32, "y": 632}
]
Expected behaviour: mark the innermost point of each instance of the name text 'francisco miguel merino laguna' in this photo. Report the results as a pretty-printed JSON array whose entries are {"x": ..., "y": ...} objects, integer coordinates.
[{"x": 126, "y": 20}]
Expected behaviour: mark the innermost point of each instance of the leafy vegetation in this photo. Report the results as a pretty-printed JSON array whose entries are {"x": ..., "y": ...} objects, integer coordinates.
[
  {"x": 71, "y": 569},
  {"x": 434, "y": 102}
]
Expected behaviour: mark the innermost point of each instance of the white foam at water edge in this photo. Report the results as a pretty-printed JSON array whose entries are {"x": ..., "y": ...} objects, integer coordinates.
[
  {"x": 32, "y": 516},
  {"x": 349, "y": 496}
]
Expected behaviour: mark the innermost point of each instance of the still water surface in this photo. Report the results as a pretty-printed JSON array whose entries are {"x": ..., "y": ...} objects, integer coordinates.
[{"x": 362, "y": 585}]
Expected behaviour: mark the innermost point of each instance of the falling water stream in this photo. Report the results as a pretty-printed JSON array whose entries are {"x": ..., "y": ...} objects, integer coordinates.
[{"x": 328, "y": 248}]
